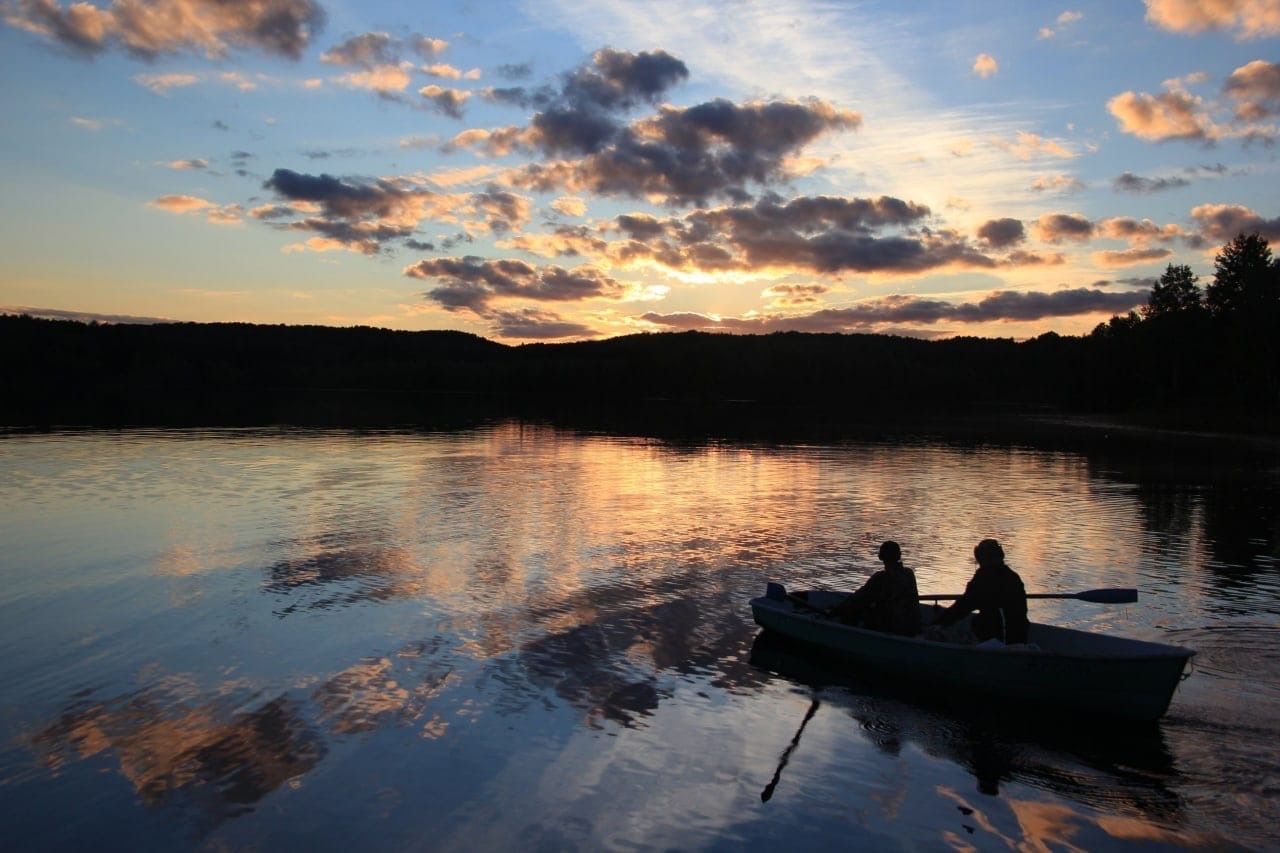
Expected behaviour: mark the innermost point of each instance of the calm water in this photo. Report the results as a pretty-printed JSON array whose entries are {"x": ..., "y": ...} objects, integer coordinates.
[{"x": 523, "y": 638}]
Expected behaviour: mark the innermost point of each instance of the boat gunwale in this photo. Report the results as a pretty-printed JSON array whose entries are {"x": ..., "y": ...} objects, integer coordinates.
[{"x": 1173, "y": 652}]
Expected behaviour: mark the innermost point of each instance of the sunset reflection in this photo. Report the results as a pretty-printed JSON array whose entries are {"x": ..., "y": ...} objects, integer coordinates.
[{"x": 516, "y": 624}]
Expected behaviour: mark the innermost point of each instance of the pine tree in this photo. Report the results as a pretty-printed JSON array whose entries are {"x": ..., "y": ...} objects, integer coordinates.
[
  {"x": 1174, "y": 294},
  {"x": 1244, "y": 278}
]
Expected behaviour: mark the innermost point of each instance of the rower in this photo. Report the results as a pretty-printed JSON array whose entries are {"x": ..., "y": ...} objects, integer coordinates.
[
  {"x": 998, "y": 595},
  {"x": 888, "y": 601}
]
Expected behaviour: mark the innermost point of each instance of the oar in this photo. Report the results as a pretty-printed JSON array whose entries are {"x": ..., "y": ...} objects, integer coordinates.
[
  {"x": 786, "y": 753},
  {"x": 1114, "y": 595}
]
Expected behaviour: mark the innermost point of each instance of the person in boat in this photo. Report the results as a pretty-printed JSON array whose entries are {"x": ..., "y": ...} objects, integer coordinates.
[
  {"x": 889, "y": 601},
  {"x": 997, "y": 593}
]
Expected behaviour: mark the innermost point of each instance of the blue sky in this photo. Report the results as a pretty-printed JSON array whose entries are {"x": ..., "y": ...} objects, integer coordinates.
[{"x": 927, "y": 168}]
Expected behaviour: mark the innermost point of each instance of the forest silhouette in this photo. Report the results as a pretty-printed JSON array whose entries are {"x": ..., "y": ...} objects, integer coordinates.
[{"x": 1195, "y": 356}]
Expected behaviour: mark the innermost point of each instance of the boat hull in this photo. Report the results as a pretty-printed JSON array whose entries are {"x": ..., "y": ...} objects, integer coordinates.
[{"x": 1127, "y": 678}]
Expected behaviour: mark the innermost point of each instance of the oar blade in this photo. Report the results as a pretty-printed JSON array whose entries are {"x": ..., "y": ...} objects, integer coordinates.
[{"x": 1109, "y": 596}]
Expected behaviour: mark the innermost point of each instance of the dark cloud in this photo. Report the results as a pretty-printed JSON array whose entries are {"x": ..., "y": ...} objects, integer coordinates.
[
  {"x": 240, "y": 155},
  {"x": 219, "y": 124},
  {"x": 503, "y": 210},
  {"x": 1222, "y": 222},
  {"x": 1136, "y": 230},
  {"x": 443, "y": 100},
  {"x": 1021, "y": 258},
  {"x": 1255, "y": 88},
  {"x": 151, "y": 28},
  {"x": 532, "y": 324},
  {"x": 685, "y": 155},
  {"x": 359, "y": 214},
  {"x": 1056, "y": 227},
  {"x": 1001, "y": 233},
  {"x": 454, "y": 240},
  {"x": 1131, "y": 183},
  {"x": 791, "y": 295},
  {"x": 419, "y": 246},
  {"x": 472, "y": 283},
  {"x": 515, "y": 70},
  {"x": 378, "y": 50},
  {"x": 516, "y": 96},
  {"x": 620, "y": 80},
  {"x": 80, "y": 316},
  {"x": 811, "y": 233},
  {"x": 1006, "y": 305},
  {"x": 366, "y": 50}
]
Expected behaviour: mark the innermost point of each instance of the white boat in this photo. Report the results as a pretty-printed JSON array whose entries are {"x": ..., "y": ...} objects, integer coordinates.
[{"x": 1059, "y": 667}]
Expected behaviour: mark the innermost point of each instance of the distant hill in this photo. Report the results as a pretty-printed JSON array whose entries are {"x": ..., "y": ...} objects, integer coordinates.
[{"x": 64, "y": 372}]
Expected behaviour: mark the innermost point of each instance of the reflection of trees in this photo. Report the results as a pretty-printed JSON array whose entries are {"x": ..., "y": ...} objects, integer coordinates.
[
  {"x": 174, "y": 752},
  {"x": 1242, "y": 530},
  {"x": 1116, "y": 765}
]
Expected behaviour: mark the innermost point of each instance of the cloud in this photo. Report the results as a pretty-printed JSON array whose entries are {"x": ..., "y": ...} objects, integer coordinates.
[
  {"x": 380, "y": 79},
  {"x": 1065, "y": 19},
  {"x": 1246, "y": 18},
  {"x": 793, "y": 295},
  {"x": 80, "y": 316},
  {"x": 1255, "y": 88},
  {"x": 366, "y": 50},
  {"x": 1222, "y": 222},
  {"x": 495, "y": 142},
  {"x": 1130, "y": 257},
  {"x": 162, "y": 83},
  {"x": 87, "y": 123},
  {"x": 1005, "y": 305},
  {"x": 515, "y": 71},
  {"x": 447, "y": 72},
  {"x": 1056, "y": 227},
  {"x": 1001, "y": 233},
  {"x": 426, "y": 46},
  {"x": 150, "y": 28},
  {"x": 569, "y": 205},
  {"x": 1022, "y": 258},
  {"x": 187, "y": 165},
  {"x": 473, "y": 284},
  {"x": 533, "y": 324},
  {"x": 462, "y": 175},
  {"x": 681, "y": 155},
  {"x": 447, "y": 101},
  {"x": 1029, "y": 145},
  {"x": 501, "y": 209},
  {"x": 822, "y": 234},
  {"x": 1137, "y": 231},
  {"x": 1162, "y": 117},
  {"x": 227, "y": 214},
  {"x": 360, "y": 215},
  {"x": 180, "y": 203},
  {"x": 985, "y": 65},
  {"x": 419, "y": 141},
  {"x": 1057, "y": 183},
  {"x": 1131, "y": 183}
]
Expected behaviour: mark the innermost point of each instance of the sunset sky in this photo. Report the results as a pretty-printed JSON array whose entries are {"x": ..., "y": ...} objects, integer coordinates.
[{"x": 548, "y": 170}]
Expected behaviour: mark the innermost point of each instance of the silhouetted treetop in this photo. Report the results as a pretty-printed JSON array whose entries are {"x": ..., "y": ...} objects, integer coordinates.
[{"x": 1174, "y": 294}]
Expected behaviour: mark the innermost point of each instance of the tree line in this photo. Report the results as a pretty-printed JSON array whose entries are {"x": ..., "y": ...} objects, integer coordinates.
[{"x": 1207, "y": 355}]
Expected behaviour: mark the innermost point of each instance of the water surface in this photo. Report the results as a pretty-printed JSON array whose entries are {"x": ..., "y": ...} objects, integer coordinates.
[{"x": 522, "y": 637}]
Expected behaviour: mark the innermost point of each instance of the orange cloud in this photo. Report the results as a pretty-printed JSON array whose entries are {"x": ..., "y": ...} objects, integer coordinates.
[
  {"x": 1246, "y": 18},
  {"x": 985, "y": 65}
]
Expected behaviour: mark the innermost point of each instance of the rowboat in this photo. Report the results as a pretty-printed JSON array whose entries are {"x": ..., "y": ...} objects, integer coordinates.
[{"x": 1059, "y": 667}]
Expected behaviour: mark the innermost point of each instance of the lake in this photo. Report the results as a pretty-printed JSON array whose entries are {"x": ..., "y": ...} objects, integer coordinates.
[{"x": 521, "y": 637}]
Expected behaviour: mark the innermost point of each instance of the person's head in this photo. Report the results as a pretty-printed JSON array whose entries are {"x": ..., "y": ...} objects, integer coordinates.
[
  {"x": 988, "y": 553},
  {"x": 890, "y": 553}
]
